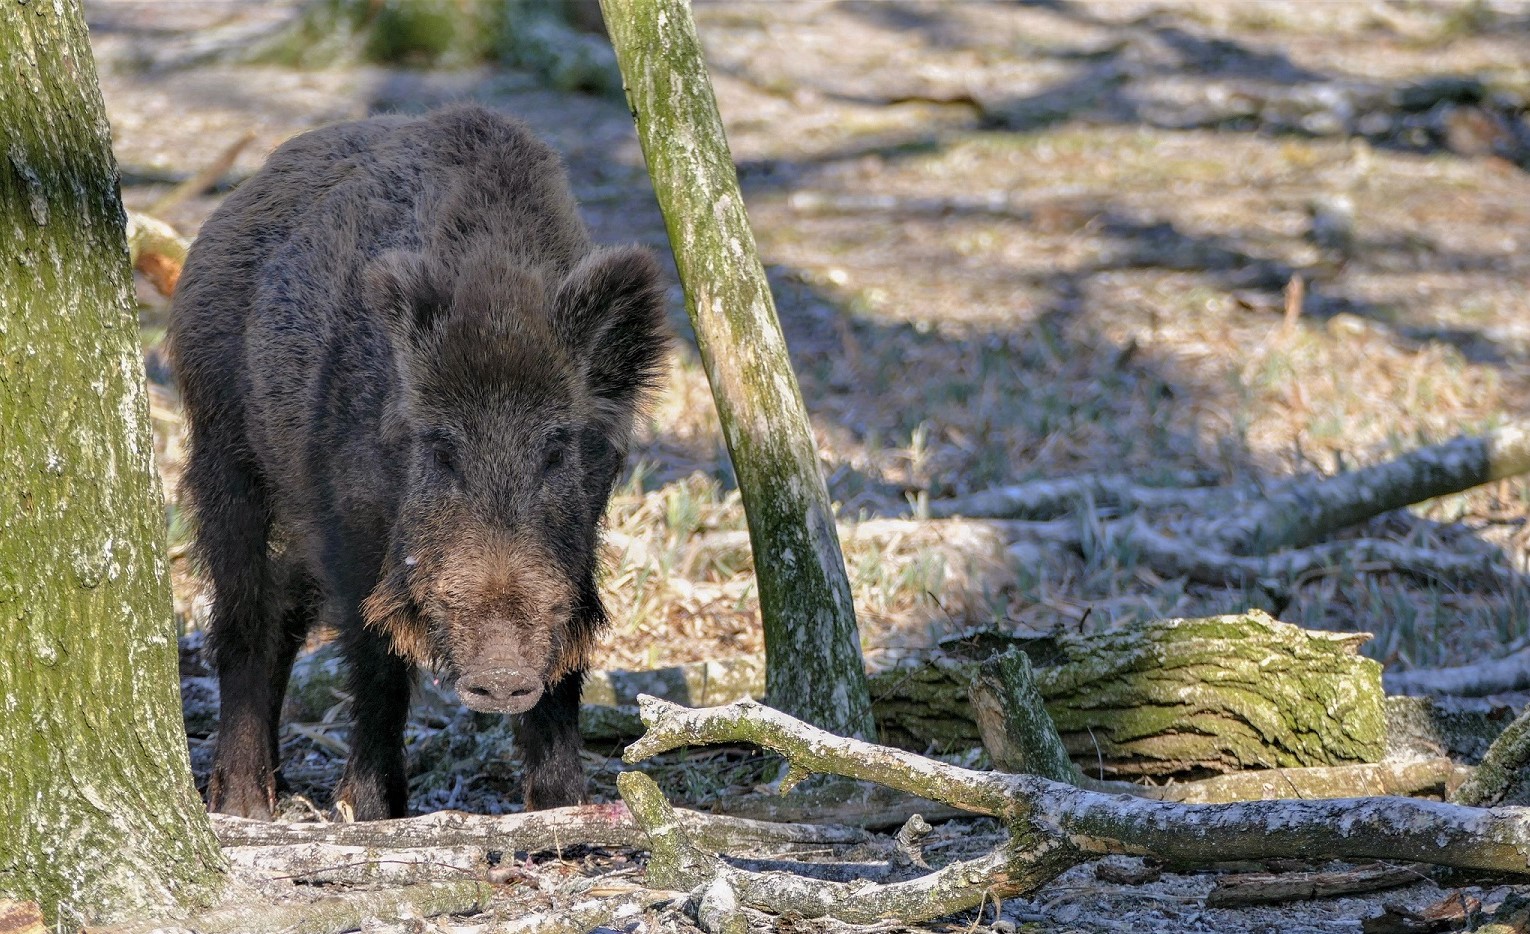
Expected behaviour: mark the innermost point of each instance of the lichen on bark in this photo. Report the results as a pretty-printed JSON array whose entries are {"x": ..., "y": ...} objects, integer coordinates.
[
  {"x": 98, "y": 815},
  {"x": 814, "y": 667}
]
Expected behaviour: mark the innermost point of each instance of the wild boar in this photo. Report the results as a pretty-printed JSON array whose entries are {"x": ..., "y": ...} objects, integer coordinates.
[{"x": 411, "y": 381}]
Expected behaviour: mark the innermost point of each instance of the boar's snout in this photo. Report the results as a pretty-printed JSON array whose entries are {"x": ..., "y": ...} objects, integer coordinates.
[{"x": 500, "y": 690}]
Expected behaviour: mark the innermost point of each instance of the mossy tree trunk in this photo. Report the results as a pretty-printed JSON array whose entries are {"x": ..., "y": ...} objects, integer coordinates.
[
  {"x": 813, "y": 657},
  {"x": 98, "y": 816}
]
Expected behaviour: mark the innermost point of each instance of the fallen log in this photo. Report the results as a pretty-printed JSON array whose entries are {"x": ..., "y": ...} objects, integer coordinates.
[
  {"x": 1052, "y": 826},
  {"x": 328, "y": 915},
  {"x": 533, "y": 831},
  {"x": 1220, "y": 693}
]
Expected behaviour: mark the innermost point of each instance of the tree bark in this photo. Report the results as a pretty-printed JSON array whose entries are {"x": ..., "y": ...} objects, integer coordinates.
[
  {"x": 98, "y": 816},
  {"x": 812, "y": 645}
]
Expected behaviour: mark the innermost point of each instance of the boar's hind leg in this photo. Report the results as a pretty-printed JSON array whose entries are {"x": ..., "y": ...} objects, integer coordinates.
[
  {"x": 254, "y": 633},
  {"x": 374, "y": 784},
  {"x": 548, "y": 735}
]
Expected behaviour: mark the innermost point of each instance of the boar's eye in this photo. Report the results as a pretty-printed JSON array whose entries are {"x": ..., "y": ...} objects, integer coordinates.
[
  {"x": 553, "y": 454},
  {"x": 442, "y": 455}
]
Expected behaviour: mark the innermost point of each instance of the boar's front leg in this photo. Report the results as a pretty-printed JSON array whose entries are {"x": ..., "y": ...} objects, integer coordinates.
[
  {"x": 548, "y": 735},
  {"x": 375, "y": 784},
  {"x": 261, "y": 613}
]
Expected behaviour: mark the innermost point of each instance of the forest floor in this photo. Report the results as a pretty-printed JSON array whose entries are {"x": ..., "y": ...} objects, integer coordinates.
[{"x": 1010, "y": 241}]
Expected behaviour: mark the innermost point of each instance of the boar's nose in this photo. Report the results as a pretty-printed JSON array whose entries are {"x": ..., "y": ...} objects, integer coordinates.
[{"x": 499, "y": 690}]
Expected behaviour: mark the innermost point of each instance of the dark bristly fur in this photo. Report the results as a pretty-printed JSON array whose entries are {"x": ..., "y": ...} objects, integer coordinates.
[{"x": 411, "y": 381}]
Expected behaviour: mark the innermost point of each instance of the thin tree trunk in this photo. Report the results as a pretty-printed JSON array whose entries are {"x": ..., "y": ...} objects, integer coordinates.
[
  {"x": 812, "y": 646},
  {"x": 98, "y": 815}
]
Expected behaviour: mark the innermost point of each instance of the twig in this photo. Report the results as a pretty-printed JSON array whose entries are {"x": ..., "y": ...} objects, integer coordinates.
[
  {"x": 203, "y": 180},
  {"x": 1268, "y": 888}
]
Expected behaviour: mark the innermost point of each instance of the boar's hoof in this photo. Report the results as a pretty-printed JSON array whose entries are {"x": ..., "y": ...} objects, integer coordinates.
[
  {"x": 242, "y": 799},
  {"x": 499, "y": 690}
]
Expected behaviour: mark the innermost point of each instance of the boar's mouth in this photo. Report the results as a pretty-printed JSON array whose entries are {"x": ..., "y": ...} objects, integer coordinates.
[{"x": 501, "y": 650}]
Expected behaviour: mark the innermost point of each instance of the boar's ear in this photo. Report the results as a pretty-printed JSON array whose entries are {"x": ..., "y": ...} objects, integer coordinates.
[
  {"x": 610, "y": 312},
  {"x": 398, "y": 285}
]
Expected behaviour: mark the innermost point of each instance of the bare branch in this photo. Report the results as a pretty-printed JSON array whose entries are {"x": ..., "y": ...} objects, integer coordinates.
[
  {"x": 1305, "y": 512},
  {"x": 1495, "y": 676},
  {"x": 1050, "y": 499},
  {"x": 1052, "y": 825}
]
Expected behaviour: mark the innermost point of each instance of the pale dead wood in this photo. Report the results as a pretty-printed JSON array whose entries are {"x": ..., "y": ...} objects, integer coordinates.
[
  {"x": 329, "y": 915},
  {"x": 1267, "y": 888},
  {"x": 1192, "y": 557},
  {"x": 1050, "y": 499},
  {"x": 532, "y": 831},
  {"x": 584, "y": 916},
  {"x": 1052, "y": 825},
  {"x": 329, "y": 863}
]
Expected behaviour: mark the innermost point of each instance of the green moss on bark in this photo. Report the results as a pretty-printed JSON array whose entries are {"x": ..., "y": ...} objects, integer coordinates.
[
  {"x": 813, "y": 659},
  {"x": 98, "y": 815}
]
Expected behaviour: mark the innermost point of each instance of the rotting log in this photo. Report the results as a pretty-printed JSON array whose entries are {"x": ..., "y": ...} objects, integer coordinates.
[
  {"x": 1052, "y": 826},
  {"x": 1217, "y": 693},
  {"x": 814, "y": 666}
]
